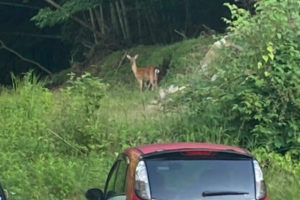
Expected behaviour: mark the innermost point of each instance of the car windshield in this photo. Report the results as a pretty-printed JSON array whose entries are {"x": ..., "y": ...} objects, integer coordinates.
[{"x": 196, "y": 179}]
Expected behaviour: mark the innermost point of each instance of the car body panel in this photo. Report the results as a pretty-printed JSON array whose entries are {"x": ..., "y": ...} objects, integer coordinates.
[
  {"x": 133, "y": 155},
  {"x": 147, "y": 149}
]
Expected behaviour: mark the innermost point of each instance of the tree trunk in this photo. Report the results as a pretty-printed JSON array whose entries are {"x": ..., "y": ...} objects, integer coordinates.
[
  {"x": 114, "y": 21},
  {"x": 151, "y": 22},
  {"x": 139, "y": 19},
  {"x": 93, "y": 24},
  {"x": 124, "y": 12},
  {"x": 187, "y": 15},
  {"x": 150, "y": 29},
  {"x": 100, "y": 19},
  {"x": 119, "y": 12}
]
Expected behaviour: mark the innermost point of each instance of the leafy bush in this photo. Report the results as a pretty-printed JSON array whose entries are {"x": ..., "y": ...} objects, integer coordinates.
[
  {"x": 267, "y": 73},
  {"x": 38, "y": 160},
  {"x": 79, "y": 121},
  {"x": 56, "y": 144},
  {"x": 256, "y": 96}
]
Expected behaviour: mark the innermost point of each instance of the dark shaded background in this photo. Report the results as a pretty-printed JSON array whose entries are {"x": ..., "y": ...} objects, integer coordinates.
[
  {"x": 20, "y": 34},
  {"x": 51, "y": 48}
]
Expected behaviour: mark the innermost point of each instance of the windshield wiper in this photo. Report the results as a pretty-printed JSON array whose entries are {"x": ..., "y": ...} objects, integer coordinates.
[{"x": 221, "y": 193}]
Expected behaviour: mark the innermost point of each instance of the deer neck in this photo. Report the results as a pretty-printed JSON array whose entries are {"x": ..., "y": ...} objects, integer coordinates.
[{"x": 134, "y": 67}]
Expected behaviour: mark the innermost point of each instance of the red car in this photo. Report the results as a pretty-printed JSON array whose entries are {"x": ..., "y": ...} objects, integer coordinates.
[{"x": 183, "y": 171}]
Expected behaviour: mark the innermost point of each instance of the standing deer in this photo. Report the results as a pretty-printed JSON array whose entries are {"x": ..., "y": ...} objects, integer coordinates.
[{"x": 144, "y": 74}]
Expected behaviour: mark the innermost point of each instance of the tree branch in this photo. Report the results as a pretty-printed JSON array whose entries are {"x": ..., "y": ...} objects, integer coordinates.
[
  {"x": 75, "y": 19},
  {"x": 210, "y": 31},
  {"x": 121, "y": 61},
  {"x": 181, "y": 34},
  {"x": 3, "y": 46}
]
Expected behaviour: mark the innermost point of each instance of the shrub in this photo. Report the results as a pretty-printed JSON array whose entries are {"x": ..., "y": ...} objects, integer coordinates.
[{"x": 256, "y": 96}]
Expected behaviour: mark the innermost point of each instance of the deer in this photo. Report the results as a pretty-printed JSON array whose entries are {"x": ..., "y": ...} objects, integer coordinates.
[{"x": 144, "y": 74}]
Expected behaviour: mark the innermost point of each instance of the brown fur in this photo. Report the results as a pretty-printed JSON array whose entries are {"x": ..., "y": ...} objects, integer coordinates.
[{"x": 144, "y": 74}]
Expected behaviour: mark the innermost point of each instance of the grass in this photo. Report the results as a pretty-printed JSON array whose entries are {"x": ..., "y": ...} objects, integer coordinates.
[{"x": 56, "y": 144}]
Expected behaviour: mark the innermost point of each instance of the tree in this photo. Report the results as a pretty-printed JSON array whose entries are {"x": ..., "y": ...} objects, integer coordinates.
[{"x": 113, "y": 24}]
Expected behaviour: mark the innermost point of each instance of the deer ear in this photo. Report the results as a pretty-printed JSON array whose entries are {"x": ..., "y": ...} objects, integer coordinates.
[
  {"x": 128, "y": 56},
  {"x": 136, "y": 56}
]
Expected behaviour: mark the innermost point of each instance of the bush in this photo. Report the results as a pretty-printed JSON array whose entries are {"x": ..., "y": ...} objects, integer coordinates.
[
  {"x": 265, "y": 78},
  {"x": 255, "y": 98},
  {"x": 56, "y": 144},
  {"x": 81, "y": 103},
  {"x": 39, "y": 160}
]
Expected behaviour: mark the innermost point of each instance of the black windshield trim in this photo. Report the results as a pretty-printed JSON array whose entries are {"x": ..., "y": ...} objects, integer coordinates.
[{"x": 222, "y": 193}]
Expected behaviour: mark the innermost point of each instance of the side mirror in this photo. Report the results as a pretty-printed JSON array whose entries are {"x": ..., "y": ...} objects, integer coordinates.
[
  {"x": 3, "y": 194},
  {"x": 94, "y": 194}
]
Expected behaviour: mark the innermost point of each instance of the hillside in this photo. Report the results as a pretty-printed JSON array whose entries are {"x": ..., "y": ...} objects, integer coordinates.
[{"x": 69, "y": 137}]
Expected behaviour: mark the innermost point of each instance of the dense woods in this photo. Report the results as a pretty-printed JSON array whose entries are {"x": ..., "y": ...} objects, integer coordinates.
[
  {"x": 79, "y": 29},
  {"x": 122, "y": 22},
  {"x": 115, "y": 24},
  {"x": 55, "y": 142}
]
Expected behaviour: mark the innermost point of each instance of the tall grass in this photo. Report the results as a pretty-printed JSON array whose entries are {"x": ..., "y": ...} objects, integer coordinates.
[
  {"x": 37, "y": 160},
  {"x": 51, "y": 150},
  {"x": 56, "y": 144}
]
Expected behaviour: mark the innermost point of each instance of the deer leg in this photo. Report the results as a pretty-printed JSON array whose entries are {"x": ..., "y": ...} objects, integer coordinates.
[
  {"x": 141, "y": 85},
  {"x": 156, "y": 71},
  {"x": 150, "y": 85},
  {"x": 155, "y": 83}
]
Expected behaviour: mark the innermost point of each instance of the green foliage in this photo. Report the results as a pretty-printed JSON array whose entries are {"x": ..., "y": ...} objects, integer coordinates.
[
  {"x": 87, "y": 91},
  {"x": 82, "y": 103},
  {"x": 39, "y": 161},
  {"x": 280, "y": 172},
  {"x": 93, "y": 26},
  {"x": 55, "y": 144},
  {"x": 255, "y": 98},
  {"x": 268, "y": 91},
  {"x": 49, "y": 17}
]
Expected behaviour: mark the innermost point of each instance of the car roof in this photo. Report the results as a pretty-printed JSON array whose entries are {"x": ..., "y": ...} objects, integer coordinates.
[{"x": 160, "y": 147}]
